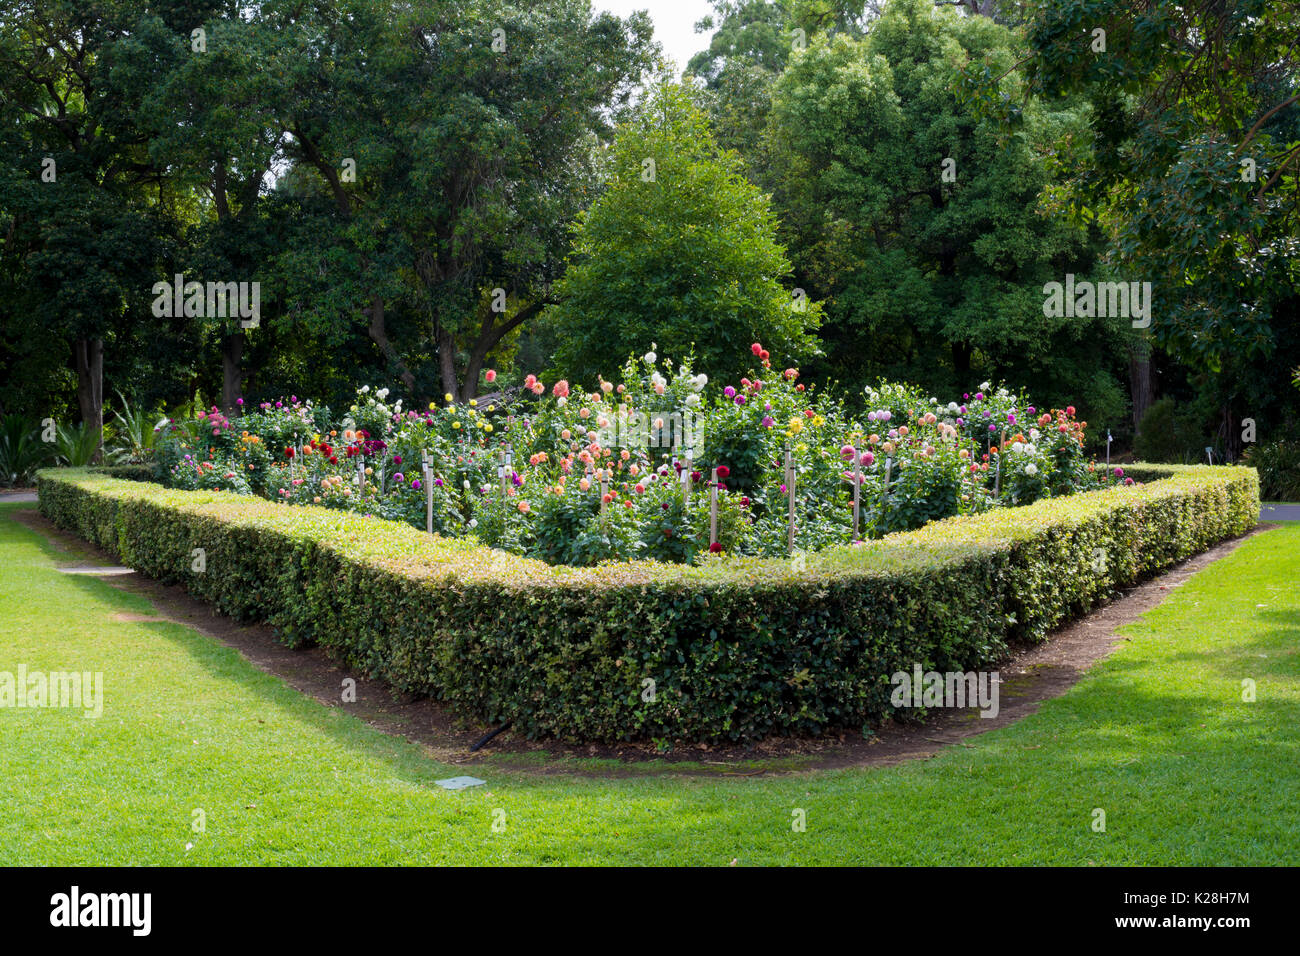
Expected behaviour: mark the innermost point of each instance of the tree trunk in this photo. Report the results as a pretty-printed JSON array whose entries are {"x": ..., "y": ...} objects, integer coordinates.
[
  {"x": 470, "y": 388},
  {"x": 232, "y": 350},
  {"x": 379, "y": 335},
  {"x": 447, "y": 361},
  {"x": 1231, "y": 433},
  {"x": 89, "y": 357},
  {"x": 490, "y": 335},
  {"x": 1139, "y": 376},
  {"x": 979, "y": 8}
]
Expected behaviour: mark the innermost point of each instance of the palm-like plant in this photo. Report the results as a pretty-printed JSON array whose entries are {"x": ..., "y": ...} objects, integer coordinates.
[
  {"x": 76, "y": 445},
  {"x": 21, "y": 450},
  {"x": 136, "y": 435}
]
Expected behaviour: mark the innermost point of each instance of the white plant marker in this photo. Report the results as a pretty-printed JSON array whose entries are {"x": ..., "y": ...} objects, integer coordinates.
[{"x": 506, "y": 459}]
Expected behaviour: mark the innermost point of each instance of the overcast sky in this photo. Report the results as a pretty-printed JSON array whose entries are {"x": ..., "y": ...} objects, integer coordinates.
[{"x": 674, "y": 22}]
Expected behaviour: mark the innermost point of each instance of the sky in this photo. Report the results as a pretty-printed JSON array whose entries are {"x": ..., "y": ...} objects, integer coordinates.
[{"x": 674, "y": 22}]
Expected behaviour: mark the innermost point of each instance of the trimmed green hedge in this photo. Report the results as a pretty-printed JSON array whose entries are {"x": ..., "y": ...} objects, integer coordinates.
[
  {"x": 738, "y": 648},
  {"x": 128, "y": 472}
]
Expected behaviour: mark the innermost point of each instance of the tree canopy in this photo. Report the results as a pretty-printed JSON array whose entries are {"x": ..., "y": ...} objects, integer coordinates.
[{"x": 680, "y": 251}]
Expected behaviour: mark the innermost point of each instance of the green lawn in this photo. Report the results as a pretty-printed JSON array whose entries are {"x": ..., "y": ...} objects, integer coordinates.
[{"x": 1158, "y": 736}]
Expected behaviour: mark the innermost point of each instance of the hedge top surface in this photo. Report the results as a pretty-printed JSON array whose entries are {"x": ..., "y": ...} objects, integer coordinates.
[{"x": 451, "y": 562}]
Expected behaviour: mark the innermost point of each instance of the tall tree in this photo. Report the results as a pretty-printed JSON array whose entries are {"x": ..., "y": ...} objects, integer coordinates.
[
  {"x": 680, "y": 250},
  {"x": 84, "y": 226},
  {"x": 1196, "y": 132},
  {"x": 471, "y": 127},
  {"x": 919, "y": 219},
  {"x": 212, "y": 115}
]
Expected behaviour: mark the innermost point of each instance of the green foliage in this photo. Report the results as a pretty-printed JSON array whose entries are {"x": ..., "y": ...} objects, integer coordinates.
[
  {"x": 681, "y": 255},
  {"x": 21, "y": 450},
  {"x": 1193, "y": 136},
  {"x": 738, "y": 649},
  {"x": 1278, "y": 464},
  {"x": 136, "y": 433},
  {"x": 918, "y": 218},
  {"x": 1169, "y": 433},
  {"x": 81, "y": 209},
  {"x": 472, "y": 160},
  {"x": 76, "y": 445},
  {"x": 416, "y": 168}
]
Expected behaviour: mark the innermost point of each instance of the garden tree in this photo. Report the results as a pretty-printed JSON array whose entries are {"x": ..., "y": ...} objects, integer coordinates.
[
  {"x": 749, "y": 49},
  {"x": 83, "y": 224},
  {"x": 83, "y": 272},
  {"x": 211, "y": 116},
  {"x": 746, "y": 53},
  {"x": 751, "y": 44},
  {"x": 472, "y": 159},
  {"x": 1196, "y": 134},
  {"x": 344, "y": 263},
  {"x": 680, "y": 251},
  {"x": 918, "y": 219},
  {"x": 471, "y": 127},
  {"x": 750, "y": 31},
  {"x": 33, "y": 361},
  {"x": 65, "y": 256}
]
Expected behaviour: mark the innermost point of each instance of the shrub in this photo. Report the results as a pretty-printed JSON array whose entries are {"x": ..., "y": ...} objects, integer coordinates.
[
  {"x": 21, "y": 449},
  {"x": 1167, "y": 434},
  {"x": 1278, "y": 464},
  {"x": 738, "y": 648},
  {"x": 137, "y": 433},
  {"x": 77, "y": 445}
]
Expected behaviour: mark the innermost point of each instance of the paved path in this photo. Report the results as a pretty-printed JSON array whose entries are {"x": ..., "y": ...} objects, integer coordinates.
[
  {"x": 25, "y": 496},
  {"x": 1284, "y": 512}
]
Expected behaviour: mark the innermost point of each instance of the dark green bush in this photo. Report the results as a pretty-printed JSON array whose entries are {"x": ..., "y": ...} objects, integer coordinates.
[
  {"x": 1168, "y": 434},
  {"x": 737, "y": 648},
  {"x": 1278, "y": 464},
  {"x": 21, "y": 449}
]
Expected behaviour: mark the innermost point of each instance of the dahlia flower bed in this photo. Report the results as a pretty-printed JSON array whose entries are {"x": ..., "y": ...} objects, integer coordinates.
[{"x": 664, "y": 465}]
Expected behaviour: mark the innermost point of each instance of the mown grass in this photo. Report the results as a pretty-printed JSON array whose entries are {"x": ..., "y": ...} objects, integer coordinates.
[{"x": 1157, "y": 736}]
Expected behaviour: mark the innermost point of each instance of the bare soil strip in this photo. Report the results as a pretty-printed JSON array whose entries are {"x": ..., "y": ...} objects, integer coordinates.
[{"x": 1030, "y": 675}]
